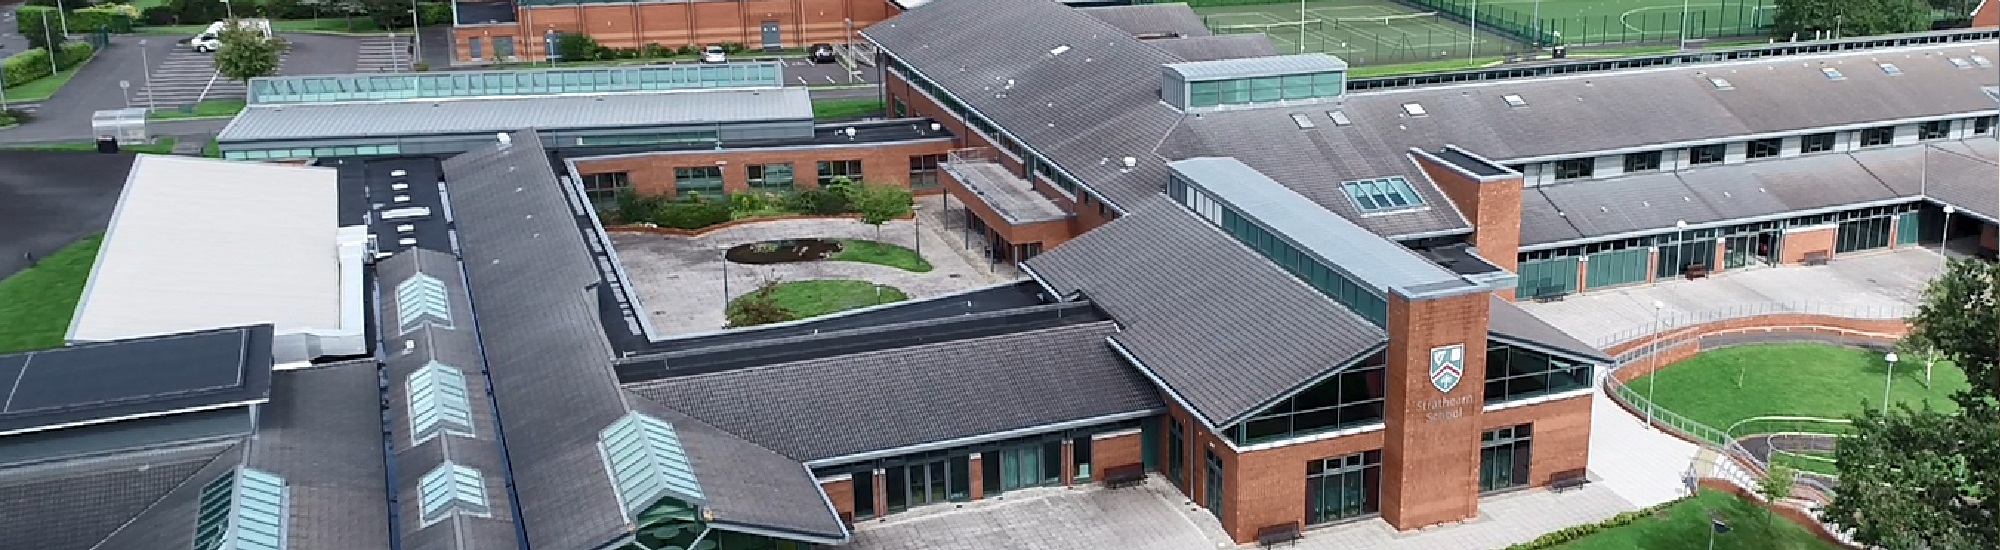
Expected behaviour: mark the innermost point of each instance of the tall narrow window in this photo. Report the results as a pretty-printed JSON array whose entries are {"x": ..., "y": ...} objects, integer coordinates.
[
  {"x": 1213, "y": 488},
  {"x": 1176, "y": 453},
  {"x": 1079, "y": 454},
  {"x": 864, "y": 495}
]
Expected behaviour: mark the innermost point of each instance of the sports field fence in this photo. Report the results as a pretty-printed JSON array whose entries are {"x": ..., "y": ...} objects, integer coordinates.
[
  {"x": 1369, "y": 40},
  {"x": 1663, "y": 23}
]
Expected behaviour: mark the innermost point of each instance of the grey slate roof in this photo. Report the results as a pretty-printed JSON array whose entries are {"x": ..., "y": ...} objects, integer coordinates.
[
  {"x": 834, "y": 407},
  {"x": 323, "y": 434},
  {"x": 1958, "y": 173},
  {"x": 1221, "y": 46},
  {"x": 751, "y": 489},
  {"x": 100, "y": 381},
  {"x": 1374, "y": 262},
  {"x": 1645, "y": 203},
  {"x": 455, "y": 347},
  {"x": 1509, "y": 322},
  {"x": 1224, "y": 69},
  {"x": 169, "y": 521},
  {"x": 381, "y": 119},
  {"x": 529, "y": 271},
  {"x": 72, "y": 505},
  {"x": 1174, "y": 282},
  {"x": 1151, "y": 19}
]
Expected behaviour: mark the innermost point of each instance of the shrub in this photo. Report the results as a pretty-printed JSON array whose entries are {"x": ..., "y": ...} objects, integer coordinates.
[
  {"x": 157, "y": 15},
  {"x": 576, "y": 46},
  {"x": 636, "y": 208},
  {"x": 113, "y": 18},
  {"x": 747, "y": 202},
  {"x": 654, "y": 49},
  {"x": 733, "y": 48},
  {"x": 434, "y": 13},
  {"x": 1570, "y": 534},
  {"x": 33, "y": 64},
  {"x": 198, "y": 11},
  {"x": 11, "y": 117},
  {"x": 420, "y": 66},
  {"x": 691, "y": 214},
  {"x": 820, "y": 201},
  {"x": 690, "y": 49}
]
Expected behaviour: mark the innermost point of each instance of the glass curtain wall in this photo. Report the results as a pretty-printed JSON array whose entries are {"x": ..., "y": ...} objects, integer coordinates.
[
  {"x": 1515, "y": 373},
  {"x": 1343, "y": 487},
  {"x": 1351, "y": 398},
  {"x": 1504, "y": 458}
]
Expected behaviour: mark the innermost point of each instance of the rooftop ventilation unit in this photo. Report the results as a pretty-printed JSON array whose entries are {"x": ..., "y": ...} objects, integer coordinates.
[
  {"x": 506, "y": 140},
  {"x": 411, "y": 213},
  {"x": 1058, "y": 50},
  {"x": 398, "y": 173},
  {"x": 1890, "y": 69},
  {"x": 407, "y": 241},
  {"x": 1961, "y": 63},
  {"x": 1302, "y": 120},
  {"x": 399, "y": 186},
  {"x": 1514, "y": 100},
  {"x": 1130, "y": 162},
  {"x": 400, "y": 199},
  {"x": 1414, "y": 109},
  {"x": 1831, "y": 73},
  {"x": 406, "y": 228}
]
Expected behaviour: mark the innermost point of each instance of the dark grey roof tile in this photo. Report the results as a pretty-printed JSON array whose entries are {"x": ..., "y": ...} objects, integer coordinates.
[
  {"x": 751, "y": 488},
  {"x": 323, "y": 434},
  {"x": 1508, "y": 321},
  {"x": 170, "y": 521},
  {"x": 1223, "y": 46},
  {"x": 1151, "y": 19},
  {"x": 72, "y": 505}
]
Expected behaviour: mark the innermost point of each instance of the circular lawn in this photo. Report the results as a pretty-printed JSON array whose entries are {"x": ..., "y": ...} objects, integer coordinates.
[
  {"x": 805, "y": 299},
  {"x": 1723, "y": 386}
]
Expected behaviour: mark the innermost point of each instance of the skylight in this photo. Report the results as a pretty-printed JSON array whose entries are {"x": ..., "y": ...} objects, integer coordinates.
[
  {"x": 1413, "y": 109},
  {"x": 1961, "y": 63},
  {"x": 1981, "y": 60},
  {"x": 1891, "y": 69},
  {"x": 1339, "y": 118},
  {"x": 648, "y": 463},
  {"x": 1721, "y": 83},
  {"x": 244, "y": 510},
  {"x": 1302, "y": 120},
  {"x": 452, "y": 489},
  {"x": 1390, "y": 193},
  {"x": 1831, "y": 73},
  {"x": 439, "y": 402},
  {"x": 422, "y": 299},
  {"x": 1514, "y": 100}
]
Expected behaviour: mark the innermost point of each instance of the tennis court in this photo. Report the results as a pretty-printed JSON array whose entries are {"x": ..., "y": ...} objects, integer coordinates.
[
  {"x": 1591, "y": 22},
  {"x": 1367, "y": 32}
]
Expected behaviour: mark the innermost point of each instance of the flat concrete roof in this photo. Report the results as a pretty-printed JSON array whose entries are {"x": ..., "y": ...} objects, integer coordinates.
[{"x": 200, "y": 243}]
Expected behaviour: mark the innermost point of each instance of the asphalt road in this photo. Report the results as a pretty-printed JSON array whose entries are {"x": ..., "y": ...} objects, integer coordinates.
[
  {"x": 10, "y": 42},
  {"x": 48, "y": 200}
]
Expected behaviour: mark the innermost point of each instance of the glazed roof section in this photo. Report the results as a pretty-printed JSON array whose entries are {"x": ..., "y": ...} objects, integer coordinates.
[{"x": 454, "y": 84}]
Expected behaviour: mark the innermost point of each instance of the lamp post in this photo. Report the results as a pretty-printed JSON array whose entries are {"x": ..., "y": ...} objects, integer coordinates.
[
  {"x": 1888, "y": 377},
  {"x": 1472, "y": 39},
  {"x": 1680, "y": 244},
  {"x": 416, "y": 36},
  {"x": 228, "y": 10},
  {"x": 723, "y": 251},
  {"x": 1655, "y": 374},
  {"x": 1944, "y": 241},
  {"x": 919, "y": 218},
  {"x": 1683, "y": 44},
  {"x": 146, "y": 66}
]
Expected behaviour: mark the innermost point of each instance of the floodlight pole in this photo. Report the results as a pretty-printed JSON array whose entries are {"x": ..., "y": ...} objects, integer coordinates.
[
  {"x": 1683, "y": 45},
  {"x": 1655, "y": 374},
  {"x": 1302, "y": 26},
  {"x": 1472, "y": 40},
  {"x": 147, "y": 67},
  {"x": 1538, "y": 23},
  {"x": 51, "y": 40}
]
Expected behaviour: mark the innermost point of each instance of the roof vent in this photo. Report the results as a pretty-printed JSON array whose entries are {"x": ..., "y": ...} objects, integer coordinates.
[
  {"x": 1339, "y": 118},
  {"x": 1514, "y": 100},
  {"x": 1130, "y": 162},
  {"x": 1721, "y": 83},
  {"x": 1961, "y": 63},
  {"x": 1890, "y": 69},
  {"x": 1981, "y": 60},
  {"x": 1414, "y": 109},
  {"x": 1832, "y": 73},
  {"x": 849, "y": 132},
  {"x": 1302, "y": 120},
  {"x": 506, "y": 140},
  {"x": 1010, "y": 84},
  {"x": 1058, "y": 50}
]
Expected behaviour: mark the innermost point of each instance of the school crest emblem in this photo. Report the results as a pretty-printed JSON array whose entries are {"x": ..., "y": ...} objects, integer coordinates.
[{"x": 1447, "y": 366}]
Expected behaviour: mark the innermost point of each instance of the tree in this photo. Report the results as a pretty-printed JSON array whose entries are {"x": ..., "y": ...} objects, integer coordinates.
[
  {"x": 1920, "y": 478},
  {"x": 759, "y": 307},
  {"x": 247, "y": 53},
  {"x": 878, "y": 204},
  {"x": 1776, "y": 486},
  {"x": 388, "y": 14},
  {"x": 1803, "y": 18}
]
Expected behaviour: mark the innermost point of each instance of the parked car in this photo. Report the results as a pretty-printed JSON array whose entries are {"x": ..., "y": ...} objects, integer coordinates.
[
  {"x": 714, "y": 54},
  {"x": 210, "y": 40},
  {"x": 821, "y": 53}
]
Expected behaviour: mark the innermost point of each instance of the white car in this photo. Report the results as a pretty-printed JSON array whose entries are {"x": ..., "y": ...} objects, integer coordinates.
[
  {"x": 210, "y": 39},
  {"x": 714, "y": 54}
]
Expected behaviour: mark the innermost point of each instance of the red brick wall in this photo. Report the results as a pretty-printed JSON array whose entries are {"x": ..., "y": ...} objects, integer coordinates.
[
  {"x": 1494, "y": 208},
  {"x": 1269, "y": 486},
  {"x": 1799, "y": 243},
  {"x": 632, "y": 25},
  {"x": 1987, "y": 14},
  {"x": 1561, "y": 440},
  {"x": 841, "y": 493},
  {"x": 1049, "y": 233},
  {"x": 1111, "y": 452},
  {"x": 975, "y": 468},
  {"x": 1429, "y": 455},
  {"x": 1989, "y": 237},
  {"x": 881, "y": 163}
]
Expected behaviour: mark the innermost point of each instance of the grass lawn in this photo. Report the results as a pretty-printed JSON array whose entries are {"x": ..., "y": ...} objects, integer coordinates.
[
  {"x": 212, "y": 108},
  {"x": 329, "y": 24},
  {"x": 880, "y": 253},
  {"x": 1394, "y": 69},
  {"x": 846, "y": 108},
  {"x": 1804, "y": 464},
  {"x": 159, "y": 146},
  {"x": 1818, "y": 380},
  {"x": 212, "y": 149},
  {"x": 41, "y": 89},
  {"x": 1687, "y": 527},
  {"x": 36, "y": 303},
  {"x": 815, "y": 298}
]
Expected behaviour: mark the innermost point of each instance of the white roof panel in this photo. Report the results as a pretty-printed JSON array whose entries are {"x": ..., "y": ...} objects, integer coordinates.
[{"x": 202, "y": 243}]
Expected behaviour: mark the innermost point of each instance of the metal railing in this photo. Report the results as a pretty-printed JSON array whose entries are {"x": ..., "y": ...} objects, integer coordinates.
[{"x": 1671, "y": 320}]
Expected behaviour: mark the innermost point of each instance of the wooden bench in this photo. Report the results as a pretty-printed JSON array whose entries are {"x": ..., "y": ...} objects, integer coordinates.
[
  {"x": 1817, "y": 257},
  {"x": 1283, "y": 533},
  {"x": 1124, "y": 476},
  {"x": 1549, "y": 294},
  {"x": 1696, "y": 271},
  {"x": 1564, "y": 481}
]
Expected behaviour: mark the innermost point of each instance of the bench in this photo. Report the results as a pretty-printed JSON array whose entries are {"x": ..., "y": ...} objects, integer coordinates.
[
  {"x": 1696, "y": 271},
  {"x": 1564, "y": 481},
  {"x": 1549, "y": 294},
  {"x": 1124, "y": 476},
  {"x": 1817, "y": 257},
  {"x": 1283, "y": 533}
]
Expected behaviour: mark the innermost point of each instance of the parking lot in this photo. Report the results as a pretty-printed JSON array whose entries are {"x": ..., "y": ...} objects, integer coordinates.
[
  {"x": 801, "y": 72},
  {"x": 181, "y": 76}
]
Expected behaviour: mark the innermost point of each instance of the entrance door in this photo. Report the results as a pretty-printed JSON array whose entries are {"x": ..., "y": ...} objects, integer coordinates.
[
  {"x": 1020, "y": 467},
  {"x": 1740, "y": 251},
  {"x": 773, "y": 38}
]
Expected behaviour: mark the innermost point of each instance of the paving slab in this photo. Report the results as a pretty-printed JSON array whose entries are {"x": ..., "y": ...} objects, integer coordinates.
[{"x": 1148, "y": 517}]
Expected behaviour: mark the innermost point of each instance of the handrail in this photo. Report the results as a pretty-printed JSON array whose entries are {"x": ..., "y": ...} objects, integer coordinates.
[{"x": 1671, "y": 320}]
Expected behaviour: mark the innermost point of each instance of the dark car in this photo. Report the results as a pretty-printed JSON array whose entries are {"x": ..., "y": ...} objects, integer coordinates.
[{"x": 821, "y": 53}]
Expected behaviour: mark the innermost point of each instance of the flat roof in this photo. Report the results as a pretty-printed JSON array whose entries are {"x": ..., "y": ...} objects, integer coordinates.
[
  {"x": 201, "y": 243},
  {"x": 1355, "y": 251},
  {"x": 1249, "y": 67},
  {"x": 390, "y": 119},
  {"x": 111, "y": 381}
]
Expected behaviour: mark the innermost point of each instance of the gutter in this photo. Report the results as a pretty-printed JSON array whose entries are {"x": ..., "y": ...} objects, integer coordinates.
[{"x": 982, "y": 438}]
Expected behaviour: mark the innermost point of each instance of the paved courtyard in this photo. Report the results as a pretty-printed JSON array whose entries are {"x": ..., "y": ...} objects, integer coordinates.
[
  {"x": 680, "y": 279},
  {"x": 1879, "y": 284}
]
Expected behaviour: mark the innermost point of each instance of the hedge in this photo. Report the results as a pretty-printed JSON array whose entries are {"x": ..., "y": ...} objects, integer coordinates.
[
  {"x": 114, "y": 17},
  {"x": 31, "y": 65},
  {"x": 1570, "y": 534}
]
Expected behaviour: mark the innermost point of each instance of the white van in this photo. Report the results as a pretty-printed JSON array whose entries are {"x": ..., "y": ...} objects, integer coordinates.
[{"x": 210, "y": 40}]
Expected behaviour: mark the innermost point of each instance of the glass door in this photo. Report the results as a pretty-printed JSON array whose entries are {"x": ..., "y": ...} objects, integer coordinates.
[{"x": 1020, "y": 467}]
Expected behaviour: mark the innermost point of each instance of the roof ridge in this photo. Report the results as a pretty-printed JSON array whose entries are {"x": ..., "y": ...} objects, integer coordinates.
[
  {"x": 224, "y": 449},
  {"x": 805, "y": 363}
]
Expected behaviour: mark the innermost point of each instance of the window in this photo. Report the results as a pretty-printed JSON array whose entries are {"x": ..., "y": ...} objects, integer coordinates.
[
  {"x": 1983, "y": 125},
  {"x": 243, "y": 510},
  {"x": 450, "y": 489},
  {"x": 864, "y": 495},
  {"x": 1765, "y": 148},
  {"x": 899, "y": 108},
  {"x": 1642, "y": 162},
  {"x": 604, "y": 188},
  {"x": 503, "y": 48},
  {"x": 924, "y": 171},
  {"x": 1504, "y": 458},
  {"x": 1351, "y": 398},
  {"x": 771, "y": 177},
  {"x": 1816, "y": 143},
  {"x": 692, "y": 181},
  {"x": 830, "y": 169},
  {"x": 1575, "y": 168},
  {"x": 928, "y": 482},
  {"x": 1874, "y": 137},
  {"x": 1382, "y": 194},
  {"x": 474, "y": 49},
  {"x": 1936, "y": 129},
  {"x": 1514, "y": 373},
  {"x": 1343, "y": 487},
  {"x": 1176, "y": 453},
  {"x": 1079, "y": 455},
  {"x": 422, "y": 300},
  {"x": 1214, "y": 486},
  {"x": 1707, "y": 154}
]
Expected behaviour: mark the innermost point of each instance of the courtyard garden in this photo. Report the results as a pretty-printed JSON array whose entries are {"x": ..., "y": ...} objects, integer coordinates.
[
  {"x": 1688, "y": 524},
  {"x": 1723, "y": 386},
  {"x": 874, "y": 204},
  {"x": 777, "y": 302}
]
